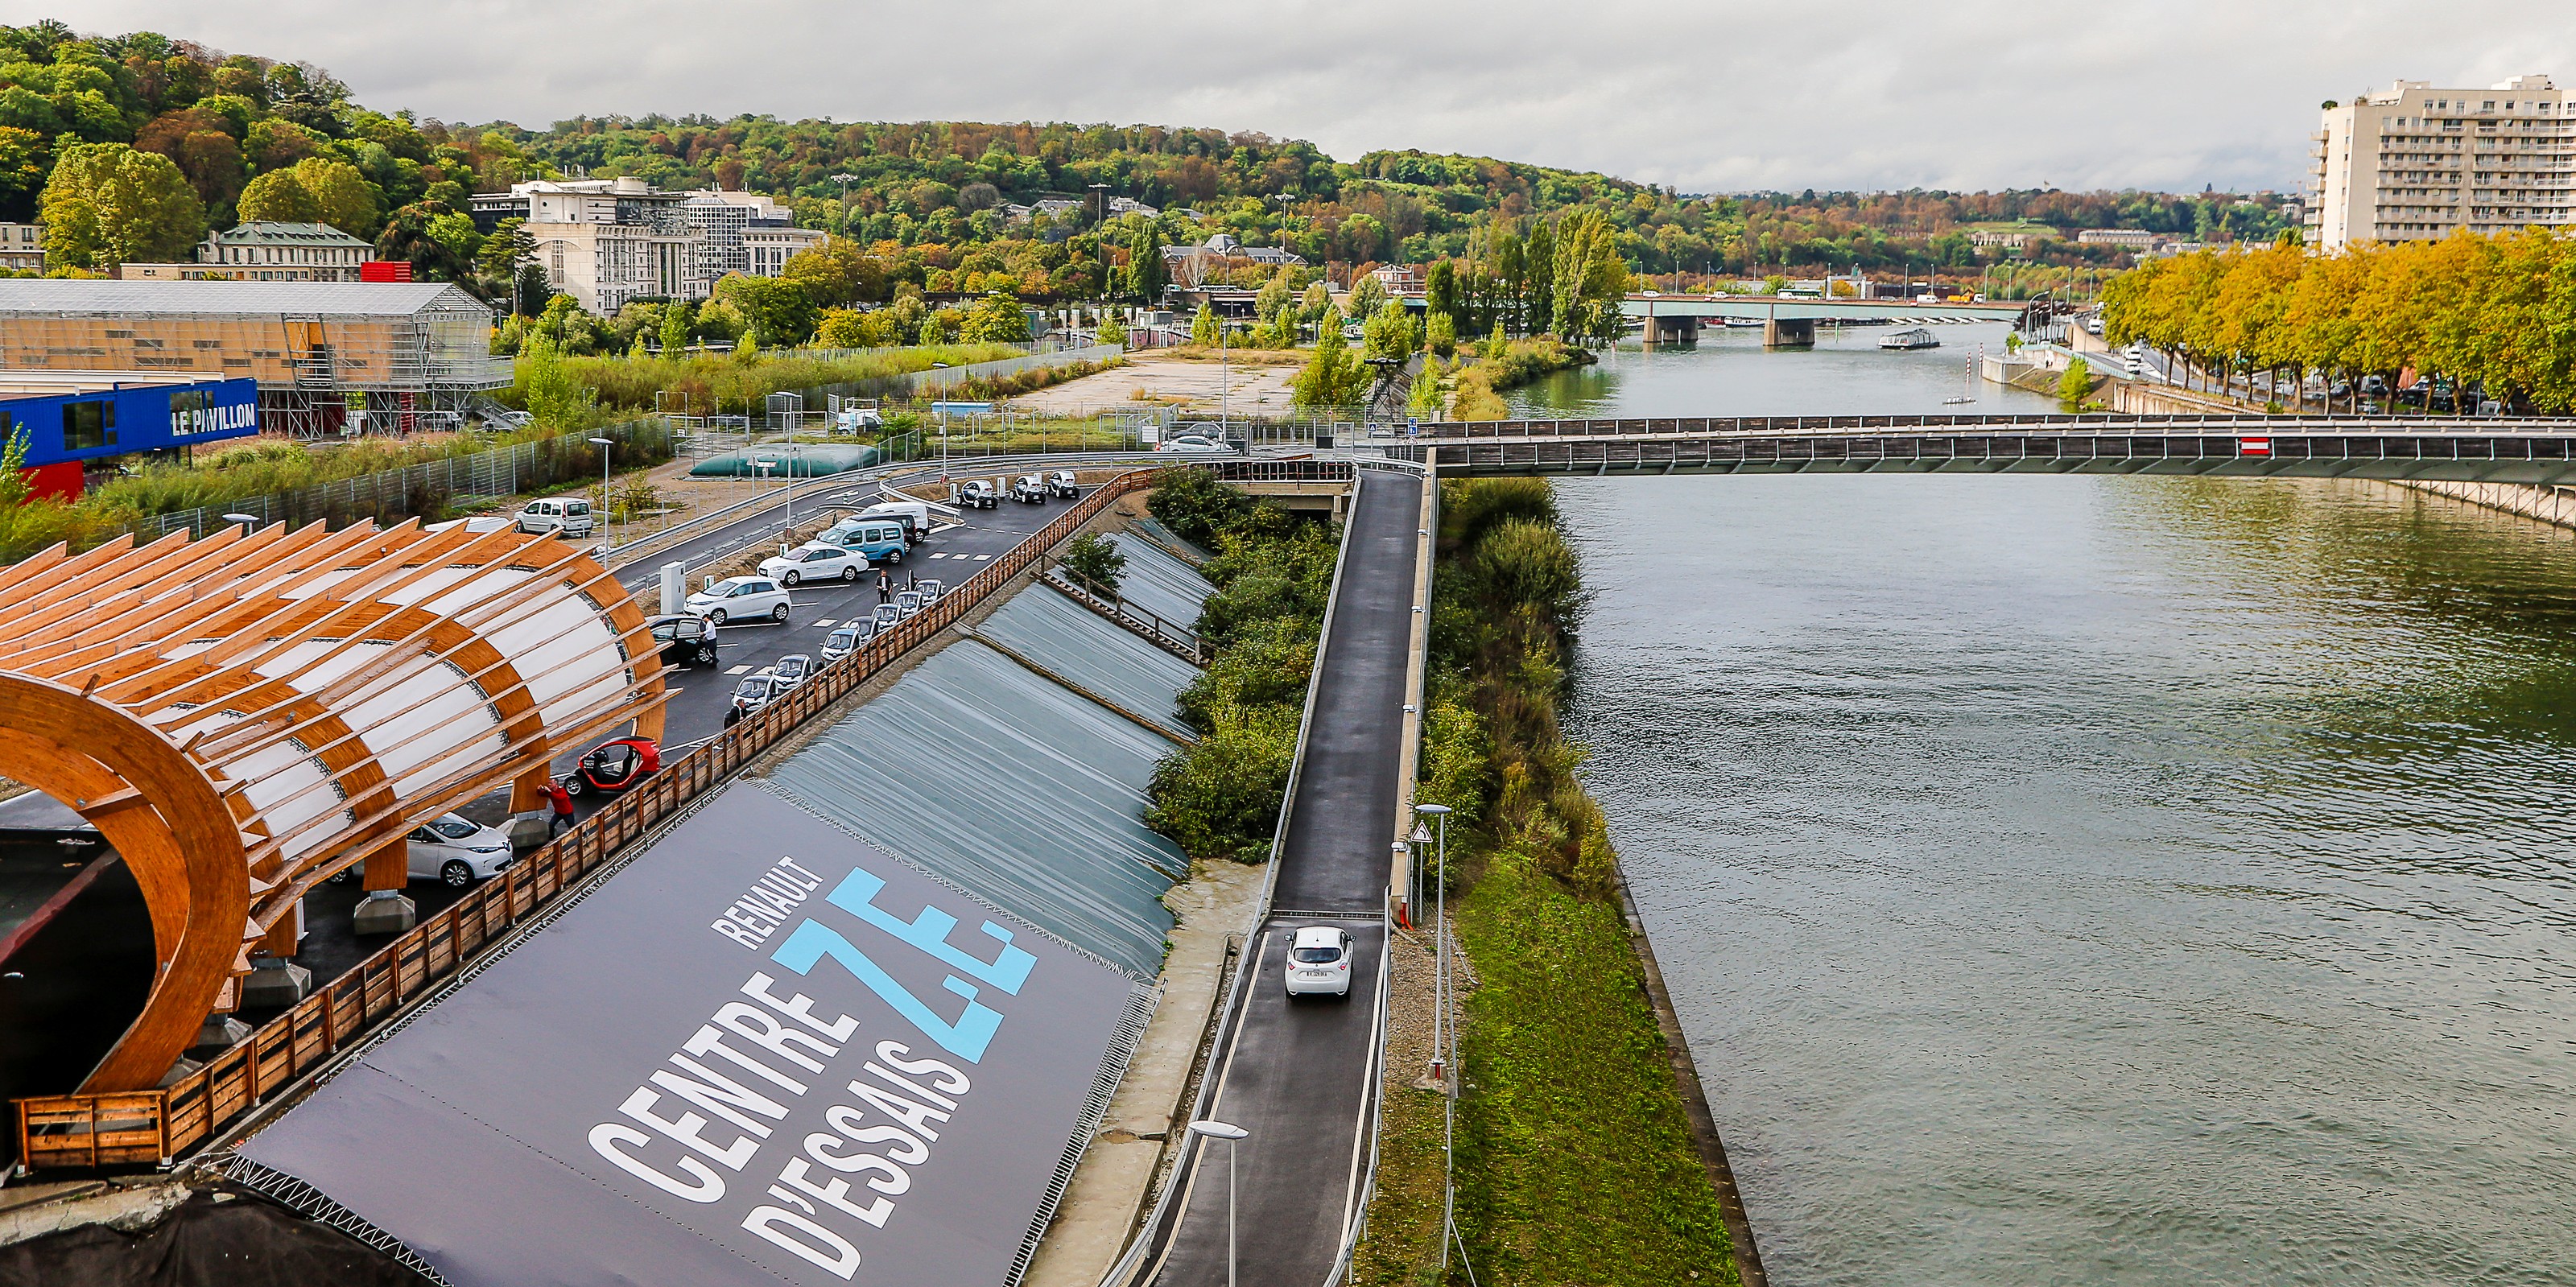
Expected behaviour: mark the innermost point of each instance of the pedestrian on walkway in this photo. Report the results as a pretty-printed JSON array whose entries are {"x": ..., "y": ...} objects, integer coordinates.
[
  {"x": 885, "y": 589},
  {"x": 562, "y": 801}
]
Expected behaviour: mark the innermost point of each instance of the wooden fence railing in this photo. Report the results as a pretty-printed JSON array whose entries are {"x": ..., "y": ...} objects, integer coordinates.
[{"x": 152, "y": 1127}]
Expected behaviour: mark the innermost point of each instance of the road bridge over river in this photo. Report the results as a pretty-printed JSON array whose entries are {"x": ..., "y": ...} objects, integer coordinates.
[
  {"x": 2386, "y": 447},
  {"x": 1789, "y": 321}
]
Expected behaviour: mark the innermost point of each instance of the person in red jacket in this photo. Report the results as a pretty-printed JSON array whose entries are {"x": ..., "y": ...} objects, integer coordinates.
[{"x": 562, "y": 800}]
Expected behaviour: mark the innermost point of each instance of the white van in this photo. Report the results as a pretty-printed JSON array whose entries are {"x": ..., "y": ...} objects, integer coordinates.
[
  {"x": 568, "y": 518},
  {"x": 914, "y": 516}
]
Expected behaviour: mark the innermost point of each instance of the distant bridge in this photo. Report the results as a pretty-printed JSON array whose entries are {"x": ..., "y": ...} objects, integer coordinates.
[
  {"x": 2384, "y": 447},
  {"x": 1790, "y": 321}
]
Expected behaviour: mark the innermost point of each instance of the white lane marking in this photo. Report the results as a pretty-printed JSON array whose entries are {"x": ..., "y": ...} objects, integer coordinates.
[
  {"x": 983, "y": 558},
  {"x": 739, "y": 670},
  {"x": 825, "y": 621},
  {"x": 943, "y": 554}
]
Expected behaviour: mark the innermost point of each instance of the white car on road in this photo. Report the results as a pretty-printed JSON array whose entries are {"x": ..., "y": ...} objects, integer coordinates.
[
  {"x": 815, "y": 561},
  {"x": 456, "y": 852},
  {"x": 1192, "y": 444},
  {"x": 740, "y": 598},
  {"x": 1319, "y": 961}
]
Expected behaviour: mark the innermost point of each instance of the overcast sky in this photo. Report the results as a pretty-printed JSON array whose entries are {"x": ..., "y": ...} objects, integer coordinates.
[{"x": 1726, "y": 96}]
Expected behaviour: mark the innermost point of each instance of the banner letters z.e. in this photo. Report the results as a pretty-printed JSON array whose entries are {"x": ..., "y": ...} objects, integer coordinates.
[{"x": 775, "y": 1053}]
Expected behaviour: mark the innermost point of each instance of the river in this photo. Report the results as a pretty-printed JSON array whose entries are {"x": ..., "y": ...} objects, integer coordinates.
[{"x": 2087, "y": 879}]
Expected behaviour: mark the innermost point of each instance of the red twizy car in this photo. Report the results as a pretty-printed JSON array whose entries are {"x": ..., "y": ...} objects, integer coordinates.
[{"x": 613, "y": 766}]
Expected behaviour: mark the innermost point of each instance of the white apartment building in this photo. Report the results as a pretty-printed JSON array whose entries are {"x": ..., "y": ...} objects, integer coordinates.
[
  {"x": 2415, "y": 162},
  {"x": 22, "y": 247},
  {"x": 610, "y": 242}
]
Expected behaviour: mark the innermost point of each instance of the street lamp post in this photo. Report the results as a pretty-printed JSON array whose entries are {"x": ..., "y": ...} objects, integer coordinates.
[
  {"x": 607, "y": 448},
  {"x": 1229, "y": 1132},
  {"x": 845, "y": 180}
]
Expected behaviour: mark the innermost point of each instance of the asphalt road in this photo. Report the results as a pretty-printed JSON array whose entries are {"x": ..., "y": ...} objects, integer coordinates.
[{"x": 1297, "y": 1074}]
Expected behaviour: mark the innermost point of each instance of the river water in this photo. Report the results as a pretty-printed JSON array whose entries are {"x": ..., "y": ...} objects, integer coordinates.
[{"x": 2093, "y": 879}]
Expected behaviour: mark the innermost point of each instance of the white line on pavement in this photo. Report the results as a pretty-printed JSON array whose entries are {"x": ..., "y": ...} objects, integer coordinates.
[{"x": 739, "y": 670}]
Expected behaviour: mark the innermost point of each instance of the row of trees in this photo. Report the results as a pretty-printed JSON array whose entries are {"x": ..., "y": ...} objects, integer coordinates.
[{"x": 2495, "y": 312}]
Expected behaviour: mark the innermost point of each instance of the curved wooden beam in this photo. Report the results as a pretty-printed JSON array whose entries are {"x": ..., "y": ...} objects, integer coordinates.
[{"x": 173, "y": 831}]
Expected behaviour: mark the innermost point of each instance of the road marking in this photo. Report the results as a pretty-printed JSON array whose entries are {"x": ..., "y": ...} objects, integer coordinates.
[
  {"x": 983, "y": 558},
  {"x": 824, "y": 621},
  {"x": 940, "y": 555},
  {"x": 739, "y": 670}
]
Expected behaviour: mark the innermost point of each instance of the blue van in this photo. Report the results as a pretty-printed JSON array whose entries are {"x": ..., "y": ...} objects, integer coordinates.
[{"x": 881, "y": 539}]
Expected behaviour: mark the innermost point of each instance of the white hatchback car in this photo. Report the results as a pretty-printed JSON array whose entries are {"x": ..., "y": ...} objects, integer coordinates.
[
  {"x": 1320, "y": 961},
  {"x": 740, "y": 598},
  {"x": 456, "y": 852},
  {"x": 815, "y": 561}
]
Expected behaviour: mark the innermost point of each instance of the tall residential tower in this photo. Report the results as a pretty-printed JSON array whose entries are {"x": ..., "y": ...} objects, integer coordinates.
[{"x": 2415, "y": 162}]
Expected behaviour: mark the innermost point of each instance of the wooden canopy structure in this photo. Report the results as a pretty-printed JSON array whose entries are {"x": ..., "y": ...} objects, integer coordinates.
[{"x": 245, "y": 715}]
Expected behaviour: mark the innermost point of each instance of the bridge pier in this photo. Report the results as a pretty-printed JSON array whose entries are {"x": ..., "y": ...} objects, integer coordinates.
[
  {"x": 1671, "y": 330},
  {"x": 1789, "y": 333}
]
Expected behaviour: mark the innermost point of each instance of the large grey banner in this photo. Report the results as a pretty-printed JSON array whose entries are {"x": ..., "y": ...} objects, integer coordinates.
[{"x": 763, "y": 1052}]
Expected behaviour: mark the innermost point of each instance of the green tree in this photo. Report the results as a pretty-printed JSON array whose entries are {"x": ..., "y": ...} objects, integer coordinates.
[
  {"x": 2075, "y": 385},
  {"x": 341, "y": 196},
  {"x": 1273, "y": 299},
  {"x": 1388, "y": 333},
  {"x": 1440, "y": 334},
  {"x": 107, "y": 204},
  {"x": 1367, "y": 296},
  {"x": 508, "y": 247},
  {"x": 1203, "y": 328},
  {"x": 675, "y": 328},
  {"x": 837, "y": 273},
  {"x": 1590, "y": 280},
  {"x": 1333, "y": 376},
  {"x": 1423, "y": 402},
  {"x": 1145, "y": 274},
  {"x": 278, "y": 196},
  {"x": 1094, "y": 560},
  {"x": 1313, "y": 304},
  {"x": 23, "y": 154},
  {"x": 779, "y": 311},
  {"x": 1440, "y": 292},
  {"x": 996, "y": 318}
]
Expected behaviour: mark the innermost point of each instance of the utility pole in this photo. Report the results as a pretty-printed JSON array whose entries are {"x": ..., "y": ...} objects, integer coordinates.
[{"x": 845, "y": 180}]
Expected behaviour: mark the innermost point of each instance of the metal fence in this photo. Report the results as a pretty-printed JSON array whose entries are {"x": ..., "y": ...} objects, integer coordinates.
[
  {"x": 426, "y": 488},
  {"x": 151, "y": 1127}
]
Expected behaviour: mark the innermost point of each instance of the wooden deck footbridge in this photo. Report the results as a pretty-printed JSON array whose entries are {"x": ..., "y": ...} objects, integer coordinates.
[{"x": 2530, "y": 450}]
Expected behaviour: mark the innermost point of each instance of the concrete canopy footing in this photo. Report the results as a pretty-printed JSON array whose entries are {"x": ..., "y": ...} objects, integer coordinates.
[
  {"x": 383, "y": 911},
  {"x": 275, "y": 983},
  {"x": 222, "y": 1031}
]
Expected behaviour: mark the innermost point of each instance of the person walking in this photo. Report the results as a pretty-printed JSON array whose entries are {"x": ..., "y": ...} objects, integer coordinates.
[
  {"x": 885, "y": 589},
  {"x": 562, "y": 801}
]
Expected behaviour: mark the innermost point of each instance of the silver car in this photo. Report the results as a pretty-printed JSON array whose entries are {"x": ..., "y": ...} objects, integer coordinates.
[{"x": 455, "y": 851}]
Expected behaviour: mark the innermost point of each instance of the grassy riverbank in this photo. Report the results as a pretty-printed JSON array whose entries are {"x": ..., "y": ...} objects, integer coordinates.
[
  {"x": 1574, "y": 1160},
  {"x": 1508, "y": 365}
]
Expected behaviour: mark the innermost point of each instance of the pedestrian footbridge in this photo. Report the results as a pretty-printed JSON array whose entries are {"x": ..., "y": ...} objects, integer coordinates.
[{"x": 2395, "y": 448}]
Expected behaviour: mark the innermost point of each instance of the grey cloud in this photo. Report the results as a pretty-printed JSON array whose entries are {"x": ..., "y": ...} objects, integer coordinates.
[{"x": 1727, "y": 96}]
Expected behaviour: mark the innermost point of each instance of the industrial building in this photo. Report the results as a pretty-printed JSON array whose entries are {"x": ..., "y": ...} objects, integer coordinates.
[{"x": 330, "y": 358}]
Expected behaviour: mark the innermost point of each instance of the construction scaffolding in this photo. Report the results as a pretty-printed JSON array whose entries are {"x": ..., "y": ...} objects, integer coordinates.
[{"x": 332, "y": 359}]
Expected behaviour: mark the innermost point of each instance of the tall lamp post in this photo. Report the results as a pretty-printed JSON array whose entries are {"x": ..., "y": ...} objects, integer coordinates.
[
  {"x": 1229, "y": 1132},
  {"x": 845, "y": 180},
  {"x": 1443, "y": 1035},
  {"x": 607, "y": 448}
]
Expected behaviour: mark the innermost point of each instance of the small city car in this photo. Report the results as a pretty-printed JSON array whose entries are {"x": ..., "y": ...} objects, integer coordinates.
[
  {"x": 568, "y": 518},
  {"x": 613, "y": 766},
  {"x": 740, "y": 598},
  {"x": 815, "y": 561},
  {"x": 685, "y": 640},
  {"x": 975, "y": 493},
  {"x": 931, "y": 588},
  {"x": 842, "y": 642},
  {"x": 455, "y": 852},
  {"x": 1029, "y": 489},
  {"x": 886, "y": 614},
  {"x": 1320, "y": 961},
  {"x": 1060, "y": 483},
  {"x": 755, "y": 692},
  {"x": 793, "y": 669}
]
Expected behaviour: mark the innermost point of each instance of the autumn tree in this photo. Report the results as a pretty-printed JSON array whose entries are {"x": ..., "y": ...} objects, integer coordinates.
[{"x": 108, "y": 204}]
